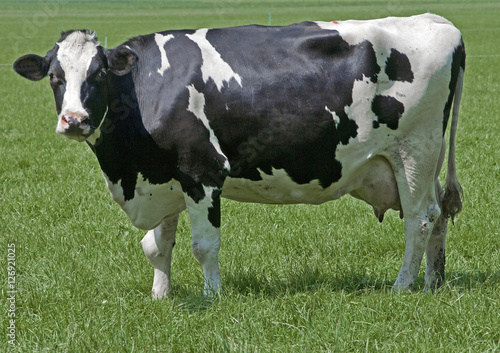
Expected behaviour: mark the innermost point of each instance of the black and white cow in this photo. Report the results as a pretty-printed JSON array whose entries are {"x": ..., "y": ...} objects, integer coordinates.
[{"x": 299, "y": 114}]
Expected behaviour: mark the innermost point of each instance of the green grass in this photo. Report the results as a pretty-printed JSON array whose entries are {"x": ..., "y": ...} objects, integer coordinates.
[{"x": 297, "y": 278}]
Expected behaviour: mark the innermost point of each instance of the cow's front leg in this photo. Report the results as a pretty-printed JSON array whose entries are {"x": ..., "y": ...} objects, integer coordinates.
[
  {"x": 157, "y": 245},
  {"x": 204, "y": 213}
]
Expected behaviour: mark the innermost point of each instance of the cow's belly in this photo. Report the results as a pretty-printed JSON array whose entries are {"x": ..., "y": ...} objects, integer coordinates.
[
  {"x": 372, "y": 181},
  {"x": 277, "y": 188}
]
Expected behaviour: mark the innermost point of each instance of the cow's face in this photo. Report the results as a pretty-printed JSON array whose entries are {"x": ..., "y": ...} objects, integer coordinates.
[{"x": 78, "y": 69}]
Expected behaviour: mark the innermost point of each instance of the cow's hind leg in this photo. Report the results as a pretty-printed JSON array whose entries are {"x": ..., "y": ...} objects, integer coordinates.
[
  {"x": 157, "y": 245},
  {"x": 434, "y": 272},
  {"x": 419, "y": 224},
  {"x": 416, "y": 180}
]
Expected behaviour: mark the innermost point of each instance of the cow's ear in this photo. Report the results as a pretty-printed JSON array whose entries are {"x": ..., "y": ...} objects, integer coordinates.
[
  {"x": 121, "y": 59},
  {"x": 31, "y": 66}
]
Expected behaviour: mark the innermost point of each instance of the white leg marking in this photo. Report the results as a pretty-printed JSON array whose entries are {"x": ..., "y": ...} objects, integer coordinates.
[
  {"x": 160, "y": 41},
  {"x": 157, "y": 245},
  {"x": 213, "y": 65},
  {"x": 418, "y": 229},
  {"x": 206, "y": 241}
]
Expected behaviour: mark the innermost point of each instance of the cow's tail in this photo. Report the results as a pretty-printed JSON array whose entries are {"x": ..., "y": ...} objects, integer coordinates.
[{"x": 453, "y": 193}]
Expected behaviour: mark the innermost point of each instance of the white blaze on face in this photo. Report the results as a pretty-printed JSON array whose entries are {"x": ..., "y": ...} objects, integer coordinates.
[{"x": 75, "y": 56}]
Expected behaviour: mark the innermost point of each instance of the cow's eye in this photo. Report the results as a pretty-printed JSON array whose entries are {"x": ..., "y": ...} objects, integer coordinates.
[
  {"x": 54, "y": 80},
  {"x": 102, "y": 74}
]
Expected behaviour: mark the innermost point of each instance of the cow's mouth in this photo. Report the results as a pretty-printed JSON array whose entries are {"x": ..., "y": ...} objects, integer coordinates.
[{"x": 77, "y": 137}]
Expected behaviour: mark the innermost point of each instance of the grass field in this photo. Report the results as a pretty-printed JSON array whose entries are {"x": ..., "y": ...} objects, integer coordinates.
[{"x": 297, "y": 278}]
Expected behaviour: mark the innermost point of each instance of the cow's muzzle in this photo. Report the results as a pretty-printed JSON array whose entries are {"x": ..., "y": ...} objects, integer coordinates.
[{"x": 75, "y": 126}]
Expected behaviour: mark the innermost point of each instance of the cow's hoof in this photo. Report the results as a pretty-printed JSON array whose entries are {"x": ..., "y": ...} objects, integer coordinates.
[
  {"x": 159, "y": 295},
  {"x": 402, "y": 288}
]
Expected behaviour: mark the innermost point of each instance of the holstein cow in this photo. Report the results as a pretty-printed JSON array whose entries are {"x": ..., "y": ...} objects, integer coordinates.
[{"x": 299, "y": 114}]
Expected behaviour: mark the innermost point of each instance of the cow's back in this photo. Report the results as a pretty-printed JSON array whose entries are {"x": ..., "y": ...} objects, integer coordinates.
[
  {"x": 295, "y": 113},
  {"x": 345, "y": 95}
]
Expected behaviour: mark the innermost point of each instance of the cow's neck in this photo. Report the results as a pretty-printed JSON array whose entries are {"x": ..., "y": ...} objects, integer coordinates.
[{"x": 125, "y": 149}]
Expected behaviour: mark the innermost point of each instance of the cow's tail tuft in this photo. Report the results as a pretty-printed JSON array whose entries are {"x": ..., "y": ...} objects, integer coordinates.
[{"x": 453, "y": 193}]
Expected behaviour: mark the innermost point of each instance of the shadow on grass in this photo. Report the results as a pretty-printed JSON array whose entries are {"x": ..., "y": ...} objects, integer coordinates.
[
  {"x": 311, "y": 280},
  {"x": 465, "y": 280},
  {"x": 307, "y": 280},
  {"x": 303, "y": 281},
  {"x": 191, "y": 302}
]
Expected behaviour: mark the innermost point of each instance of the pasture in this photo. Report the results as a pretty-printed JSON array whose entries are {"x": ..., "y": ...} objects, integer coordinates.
[{"x": 296, "y": 278}]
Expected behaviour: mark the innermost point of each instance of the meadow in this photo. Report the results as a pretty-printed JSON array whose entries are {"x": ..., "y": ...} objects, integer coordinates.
[{"x": 297, "y": 278}]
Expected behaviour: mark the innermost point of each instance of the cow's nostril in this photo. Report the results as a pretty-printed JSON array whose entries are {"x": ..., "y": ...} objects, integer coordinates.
[{"x": 72, "y": 121}]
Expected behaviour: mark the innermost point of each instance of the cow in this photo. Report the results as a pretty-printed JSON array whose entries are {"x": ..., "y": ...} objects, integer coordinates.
[{"x": 304, "y": 113}]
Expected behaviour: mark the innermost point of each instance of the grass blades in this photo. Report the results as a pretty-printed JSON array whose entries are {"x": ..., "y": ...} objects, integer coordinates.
[{"x": 296, "y": 278}]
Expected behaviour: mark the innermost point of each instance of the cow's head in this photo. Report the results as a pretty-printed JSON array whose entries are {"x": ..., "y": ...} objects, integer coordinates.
[{"x": 78, "y": 68}]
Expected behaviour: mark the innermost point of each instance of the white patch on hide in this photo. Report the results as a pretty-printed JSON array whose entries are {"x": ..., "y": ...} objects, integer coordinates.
[
  {"x": 161, "y": 40},
  {"x": 335, "y": 117},
  {"x": 197, "y": 107},
  {"x": 213, "y": 65}
]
